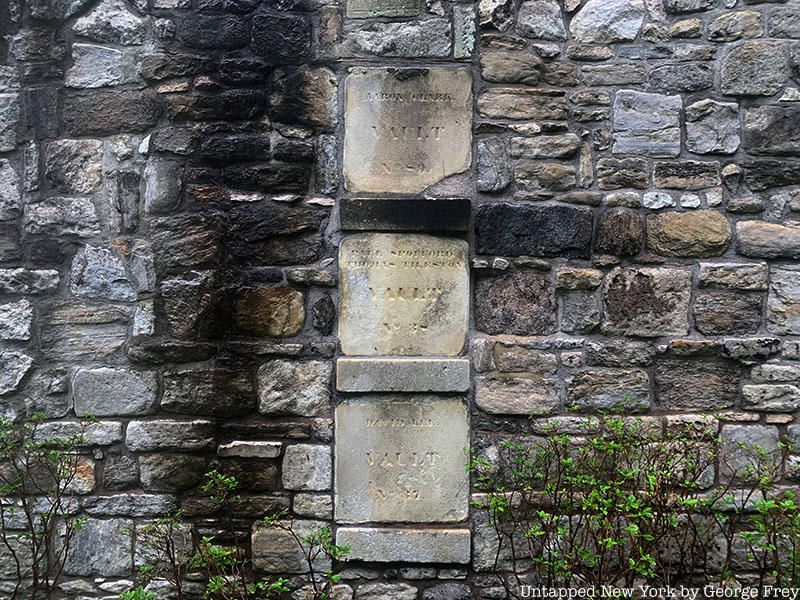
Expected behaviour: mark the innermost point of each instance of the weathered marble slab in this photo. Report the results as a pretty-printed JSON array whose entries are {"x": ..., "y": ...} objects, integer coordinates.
[
  {"x": 364, "y": 9},
  {"x": 406, "y": 128},
  {"x": 402, "y": 374},
  {"x": 403, "y": 294},
  {"x": 401, "y": 460},
  {"x": 406, "y": 545}
]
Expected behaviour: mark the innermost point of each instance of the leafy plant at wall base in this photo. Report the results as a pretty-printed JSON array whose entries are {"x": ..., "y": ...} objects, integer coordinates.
[{"x": 38, "y": 480}]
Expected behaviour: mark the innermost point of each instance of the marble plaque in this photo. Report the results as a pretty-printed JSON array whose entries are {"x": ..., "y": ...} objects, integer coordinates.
[
  {"x": 406, "y": 128},
  {"x": 401, "y": 460},
  {"x": 363, "y": 9},
  {"x": 403, "y": 294}
]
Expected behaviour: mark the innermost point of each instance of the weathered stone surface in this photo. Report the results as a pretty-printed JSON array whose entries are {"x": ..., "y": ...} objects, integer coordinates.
[
  {"x": 783, "y": 398},
  {"x": 712, "y": 127},
  {"x": 170, "y": 472},
  {"x": 732, "y": 26},
  {"x": 188, "y": 303},
  {"x": 13, "y": 367},
  {"x": 294, "y": 387},
  {"x": 95, "y": 67},
  {"x": 403, "y": 545},
  {"x": 772, "y": 130},
  {"x": 744, "y": 447},
  {"x": 503, "y": 66},
  {"x": 784, "y": 22},
  {"x": 254, "y": 449},
  {"x": 580, "y": 312},
  {"x": 213, "y": 392},
  {"x": 521, "y": 303},
  {"x": 307, "y": 467},
  {"x": 545, "y": 178},
  {"x": 688, "y": 6},
  {"x": 688, "y": 234},
  {"x": 315, "y": 506},
  {"x": 750, "y": 351},
  {"x": 362, "y": 9},
  {"x": 682, "y": 77},
  {"x": 761, "y": 239},
  {"x": 275, "y": 550},
  {"x": 213, "y": 31},
  {"x": 16, "y": 319},
  {"x": 9, "y": 121},
  {"x": 285, "y": 38},
  {"x": 271, "y": 311},
  {"x": 520, "y": 394},
  {"x": 428, "y": 38},
  {"x": 10, "y": 196},
  {"x": 647, "y": 124},
  {"x": 398, "y": 124},
  {"x": 405, "y": 214},
  {"x": 106, "y": 392},
  {"x": 496, "y": 13},
  {"x": 608, "y": 21},
  {"x": 111, "y": 21},
  {"x": 763, "y": 174},
  {"x": 164, "y": 434},
  {"x": 305, "y": 96},
  {"x": 783, "y": 301},
  {"x": 448, "y": 591},
  {"x": 493, "y": 165},
  {"x": 562, "y": 145},
  {"x": 402, "y": 375},
  {"x": 619, "y": 232},
  {"x": 724, "y": 312},
  {"x": 541, "y": 19},
  {"x": 79, "y": 332},
  {"x": 514, "y": 230},
  {"x": 107, "y": 112},
  {"x": 754, "y": 69},
  {"x": 61, "y": 217},
  {"x": 162, "y": 184},
  {"x": 401, "y": 460},
  {"x": 647, "y": 302},
  {"x": 97, "y": 273},
  {"x": 389, "y": 284},
  {"x": 101, "y": 547},
  {"x": 619, "y": 353},
  {"x": 686, "y": 175},
  {"x": 522, "y": 103},
  {"x": 692, "y": 384},
  {"x": 613, "y": 173},
  {"x": 609, "y": 389},
  {"x": 73, "y": 166}
]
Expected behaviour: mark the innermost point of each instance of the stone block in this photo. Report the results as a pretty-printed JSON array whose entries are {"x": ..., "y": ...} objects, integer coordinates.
[
  {"x": 13, "y": 367},
  {"x": 519, "y": 303},
  {"x": 647, "y": 124},
  {"x": 691, "y": 384},
  {"x": 417, "y": 39},
  {"x": 16, "y": 319},
  {"x": 758, "y": 68},
  {"x": 727, "y": 312},
  {"x": 10, "y": 115},
  {"x": 390, "y": 284},
  {"x": 401, "y": 460},
  {"x": 741, "y": 276},
  {"x": 781, "y": 398},
  {"x": 772, "y": 130},
  {"x": 761, "y": 239},
  {"x": 783, "y": 301},
  {"x": 402, "y": 375},
  {"x": 609, "y": 390},
  {"x": 106, "y": 392},
  {"x": 247, "y": 449},
  {"x": 111, "y": 21},
  {"x": 405, "y": 129},
  {"x": 101, "y": 548},
  {"x": 404, "y": 214},
  {"x": 307, "y": 467},
  {"x": 712, "y": 127},
  {"x": 747, "y": 450},
  {"x": 99, "y": 274},
  {"x": 363, "y": 9},
  {"x": 164, "y": 434},
  {"x": 522, "y": 104},
  {"x": 688, "y": 234},
  {"x": 406, "y": 545},
  {"x": 295, "y": 388},
  {"x": 212, "y": 392},
  {"x": 276, "y": 550},
  {"x": 608, "y": 21},
  {"x": 619, "y": 232},
  {"x": 170, "y": 472},
  {"x": 58, "y": 216},
  {"x": 529, "y": 394}
]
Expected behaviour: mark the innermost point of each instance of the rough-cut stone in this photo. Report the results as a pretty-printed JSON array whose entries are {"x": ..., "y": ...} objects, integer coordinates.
[
  {"x": 647, "y": 124},
  {"x": 541, "y": 19},
  {"x": 170, "y": 472},
  {"x": 613, "y": 173},
  {"x": 783, "y": 398},
  {"x": 402, "y": 375},
  {"x": 149, "y": 436},
  {"x": 9, "y": 121},
  {"x": 107, "y": 112},
  {"x": 213, "y": 31},
  {"x": 522, "y": 103},
  {"x": 16, "y": 319},
  {"x": 725, "y": 312},
  {"x": 13, "y": 367},
  {"x": 580, "y": 312},
  {"x": 448, "y": 591},
  {"x": 784, "y": 23},
  {"x": 521, "y": 303},
  {"x": 73, "y": 166},
  {"x": 604, "y": 390},
  {"x": 763, "y": 174},
  {"x": 271, "y": 311},
  {"x": 106, "y": 392},
  {"x": 97, "y": 273},
  {"x": 111, "y": 21},
  {"x": 514, "y": 230},
  {"x": 648, "y": 302},
  {"x": 389, "y": 285},
  {"x": 496, "y": 13},
  {"x": 504, "y": 66},
  {"x": 58, "y": 217},
  {"x": 398, "y": 124},
  {"x": 712, "y": 127},
  {"x": 783, "y": 301},
  {"x": 686, "y": 175},
  {"x": 10, "y": 196},
  {"x": 101, "y": 548},
  {"x": 754, "y": 69},
  {"x": 162, "y": 184},
  {"x": 401, "y": 460},
  {"x": 682, "y": 77},
  {"x": 692, "y": 384},
  {"x": 295, "y": 388},
  {"x": 254, "y": 449},
  {"x": 95, "y": 67},
  {"x": 403, "y": 545},
  {"x": 619, "y": 232},
  {"x": 620, "y": 353},
  {"x": 428, "y": 38},
  {"x": 213, "y": 392},
  {"x": 492, "y": 165},
  {"x": 772, "y": 130},
  {"x": 688, "y": 234},
  {"x": 608, "y": 21},
  {"x": 761, "y": 239},
  {"x": 188, "y": 303},
  {"x": 307, "y": 467},
  {"x": 362, "y": 9},
  {"x": 562, "y": 145},
  {"x": 275, "y": 550},
  {"x": 304, "y": 96},
  {"x": 285, "y": 38},
  {"x": 529, "y": 394},
  {"x": 745, "y": 447}
]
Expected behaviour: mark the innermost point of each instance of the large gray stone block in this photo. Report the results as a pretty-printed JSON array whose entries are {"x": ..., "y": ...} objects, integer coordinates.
[
  {"x": 106, "y": 392},
  {"x": 406, "y": 545},
  {"x": 402, "y": 375}
]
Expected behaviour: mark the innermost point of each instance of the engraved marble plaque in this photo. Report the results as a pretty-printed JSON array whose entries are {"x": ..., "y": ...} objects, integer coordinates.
[
  {"x": 363, "y": 9},
  {"x": 403, "y": 294},
  {"x": 400, "y": 460},
  {"x": 406, "y": 128}
]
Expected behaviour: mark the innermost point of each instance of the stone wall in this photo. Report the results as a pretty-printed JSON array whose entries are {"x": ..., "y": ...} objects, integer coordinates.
[{"x": 177, "y": 179}]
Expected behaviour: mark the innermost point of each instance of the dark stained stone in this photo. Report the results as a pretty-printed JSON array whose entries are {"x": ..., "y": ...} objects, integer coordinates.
[
  {"x": 243, "y": 71},
  {"x": 764, "y": 174},
  {"x": 304, "y": 96},
  {"x": 323, "y": 315},
  {"x": 186, "y": 240},
  {"x": 170, "y": 472},
  {"x": 231, "y": 105},
  {"x": 692, "y": 384},
  {"x": 274, "y": 177},
  {"x": 404, "y": 214},
  {"x": 520, "y": 303},
  {"x": 523, "y": 229},
  {"x": 106, "y": 113},
  {"x": 213, "y": 31},
  {"x": 725, "y": 312},
  {"x": 147, "y": 350},
  {"x": 614, "y": 173},
  {"x": 271, "y": 233},
  {"x": 156, "y": 67},
  {"x": 619, "y": 232},
  {"x": 686, "y": 174},
  {"x": 283, "y": 38},
  {"x": 235, "y": 148},
  {"x": 211, "y": 392},
  {"x": 772, "y": 130}
]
